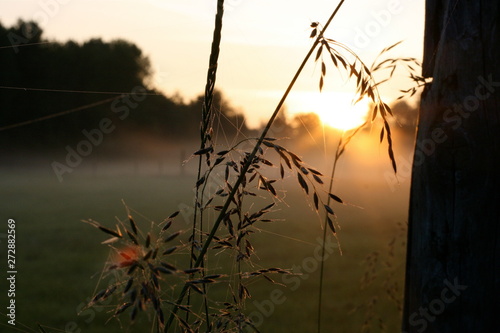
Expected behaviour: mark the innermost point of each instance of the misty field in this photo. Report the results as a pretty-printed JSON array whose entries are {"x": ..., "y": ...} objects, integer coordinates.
[{"x": 60, "y": 259}]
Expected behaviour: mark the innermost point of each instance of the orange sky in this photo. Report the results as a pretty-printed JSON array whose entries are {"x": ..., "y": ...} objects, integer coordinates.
[{"x": 263, "y": 41}]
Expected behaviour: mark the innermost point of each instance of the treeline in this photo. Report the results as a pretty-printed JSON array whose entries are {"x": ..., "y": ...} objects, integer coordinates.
[
  {"x": 55, "y": 94},
  {"x": 83, "y": 84}
]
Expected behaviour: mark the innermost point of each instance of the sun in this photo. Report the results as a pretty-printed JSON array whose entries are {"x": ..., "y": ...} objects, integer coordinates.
[{"x": 337, "y": 110}]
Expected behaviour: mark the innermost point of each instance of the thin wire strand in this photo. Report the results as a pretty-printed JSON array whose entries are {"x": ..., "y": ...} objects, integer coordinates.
[
  {"x": 22, "y": 45},
  {"x": 54, "y": 115},
  {"x": 77, "y": 91},
  {"x": 298, "y": 240}
]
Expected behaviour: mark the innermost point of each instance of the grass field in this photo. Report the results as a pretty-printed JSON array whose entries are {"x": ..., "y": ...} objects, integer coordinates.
[{"x": 59, "y": 259}]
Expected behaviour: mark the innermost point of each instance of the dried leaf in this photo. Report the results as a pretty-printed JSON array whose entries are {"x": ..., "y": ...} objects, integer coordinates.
[
  {"x": 271, "y": 189},
  {"x": 204, "y": 151},
  {"x": 164, "y": 270},
  {"x": 318, "y": 54},
  {"x": 268, "y": 144},
  {"x": 243, "y": 292},
  {"x": 174, "y": 214},
  {"x": 370, "y": 93},
  {"x": 201, "y": 281},
  {"x": 388, "y": 109},
  {"x": 196, "y": 288},
  {"x": 330, "y": 224},
  {"x": 219, "y": 160},
  {"x": 109, "y": 231},
  {"x": 193, "y": 270},
  {"x": 200, "y": 181},
  {"x": 393, "y": 160},
  {"x": 295, "y": 157},
  {"x": 344, "y": 63},
  {"x": 99, "y": 295},
  {"x": 132, "y": 238},
  {"x": 390, "y": 47},
  {"x": 303, "y": 183},
  {"x": 132, "y": 224},
  {"x": 168, "y": 266},
  {"x": 329, "y": 210},
  {"x": 172, "y": 236},
  {"x": 266, "y": 209},
  {"x": 166, "y": 226},
  {"x": 334, "y": 59},
  {"x": 170, "y": 250},
  {"x": 266, "y": 162},
  {"x": 133, "y": 267},
  {"x": 148, "y": 255},
  {"x": 111, "y": 240},
  {"x": 285, "y": 158},
  {"x": 316, "y": 172},
  {"x": 375, "y": 110},
  {"x": 128, "y": 285},
  {"x": 122, "y": 308},
  {"x": 268, "y": 278},
  {"x": 390, "y": 150},
  {"x": 317, "y": 179},
  {"x": 336, "y": 198}
]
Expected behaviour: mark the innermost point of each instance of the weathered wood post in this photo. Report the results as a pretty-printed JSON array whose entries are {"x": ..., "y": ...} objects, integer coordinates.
[{"x": 453, "y": 260}]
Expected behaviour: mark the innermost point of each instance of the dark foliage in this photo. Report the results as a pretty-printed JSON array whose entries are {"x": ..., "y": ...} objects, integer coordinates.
[{"x": 110, "y": 74}]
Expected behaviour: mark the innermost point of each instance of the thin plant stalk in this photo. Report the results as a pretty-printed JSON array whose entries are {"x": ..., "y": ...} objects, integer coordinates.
[
  {"x": 207, "y": 116},
  {"x": 340, "y": 149},
  {"x": 245, "y": 168},
  {"x": 325, "y": 227}
]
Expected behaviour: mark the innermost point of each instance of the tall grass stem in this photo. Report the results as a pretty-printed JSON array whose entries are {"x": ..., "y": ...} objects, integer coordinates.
[
  {"x": 250, "y": 158},
  {"x": 207, "y": 116},
  {"x": 325, "y": 227}
]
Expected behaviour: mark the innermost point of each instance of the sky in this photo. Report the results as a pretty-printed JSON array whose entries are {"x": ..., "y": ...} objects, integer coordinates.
[{"x": 262, "y": 46}]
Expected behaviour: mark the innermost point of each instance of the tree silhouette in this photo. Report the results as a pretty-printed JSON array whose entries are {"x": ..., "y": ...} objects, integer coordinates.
[
  {"x": 452, "y": 280},
  {"x": 63, "y": 76}
]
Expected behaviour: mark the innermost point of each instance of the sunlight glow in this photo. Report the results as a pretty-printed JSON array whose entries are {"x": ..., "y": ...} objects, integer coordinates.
[
  {"x": 336, "y": 109},
  {"x": 341, "y": 113}
]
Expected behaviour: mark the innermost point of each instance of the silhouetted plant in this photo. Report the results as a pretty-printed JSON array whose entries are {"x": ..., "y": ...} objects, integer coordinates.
[{"x": 148, "y": 274}]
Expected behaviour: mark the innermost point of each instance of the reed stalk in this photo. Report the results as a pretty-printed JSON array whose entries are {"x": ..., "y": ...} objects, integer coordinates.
[{"x": 246, "y": 166}]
